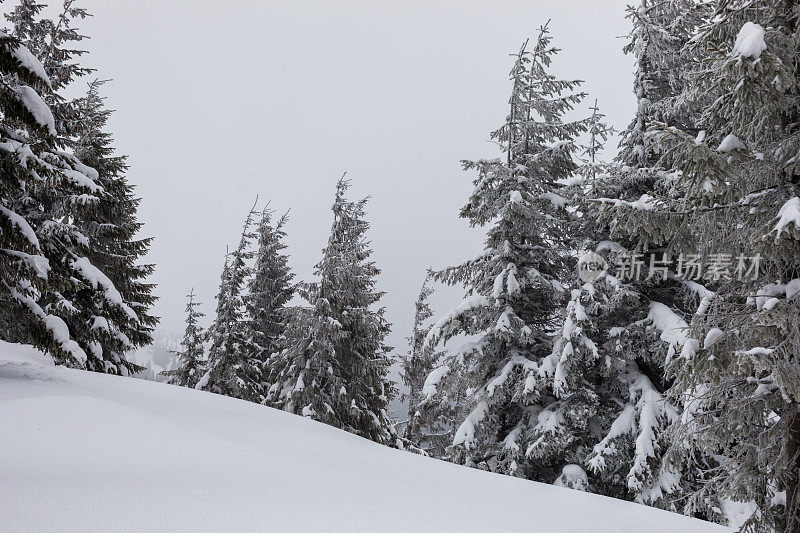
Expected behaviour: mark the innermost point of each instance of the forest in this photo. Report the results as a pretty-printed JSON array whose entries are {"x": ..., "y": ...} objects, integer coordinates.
[{"x": 631, "y": 327}]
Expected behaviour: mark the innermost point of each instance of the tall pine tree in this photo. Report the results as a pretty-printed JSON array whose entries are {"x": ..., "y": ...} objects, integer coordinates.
[
  {"x": 334, "y": 366},
  {"x": 45, "y": 189},
  {"x": 513, "y": 287},
  {"x": 104, "y": 304},
  {"x": 738, "y": 175},
  {"x": 232, "y": 371},
  {"x": 269, "y": 290}
]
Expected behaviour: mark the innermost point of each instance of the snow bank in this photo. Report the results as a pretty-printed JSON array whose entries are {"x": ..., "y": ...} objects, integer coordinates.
[{"x": 91, "y": 452}]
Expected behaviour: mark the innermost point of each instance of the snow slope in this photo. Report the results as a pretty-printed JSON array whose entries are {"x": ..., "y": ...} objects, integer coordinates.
[{"x": 84, "y": 451}]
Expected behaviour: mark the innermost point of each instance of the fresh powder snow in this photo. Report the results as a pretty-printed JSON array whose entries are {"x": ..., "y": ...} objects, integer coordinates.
[
  {"x": 37, "y": 107},
  {"x": 729, "y": 144},
  {"x": 750, "y": 41},
  {"x": 151, "y": 456}
]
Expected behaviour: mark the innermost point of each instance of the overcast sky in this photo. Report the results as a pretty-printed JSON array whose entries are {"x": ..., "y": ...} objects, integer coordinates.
[{"x": 217, "y": 102}]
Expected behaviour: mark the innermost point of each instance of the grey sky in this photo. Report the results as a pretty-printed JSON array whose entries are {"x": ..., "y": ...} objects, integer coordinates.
[{"x": 219, "y": 101}]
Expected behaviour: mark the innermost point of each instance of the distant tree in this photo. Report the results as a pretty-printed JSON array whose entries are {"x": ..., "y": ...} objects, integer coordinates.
[
  {"x": 231, "y": 369},
  {"x": 426, "y": 425},
  {"x": 191, "y": 359}
]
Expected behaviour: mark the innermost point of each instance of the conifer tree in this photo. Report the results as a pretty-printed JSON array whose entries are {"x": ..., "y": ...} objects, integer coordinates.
[
  {"x": 112, "y": 226},
  {"x": 269, "y": 290},
  {"x": 231, "y": 369},
  {"x": 191, "y": 359},
  {"x": 737, "y": 174},
  {"x": 43, "y": 188},
  {"x": 660, "y": 31},
  {"x": 513, "y": 287},
  {"x": 426, "y": 425},
  {"x": 624, "y": 196},
  {"x": 333, "y": 368},
  {"x": 104, "y": 305}
]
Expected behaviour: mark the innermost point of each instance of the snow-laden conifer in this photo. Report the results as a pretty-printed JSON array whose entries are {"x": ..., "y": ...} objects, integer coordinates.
[
  {"x": 232, "y": 371},
  {"x": 737, "y": 173},
  {"x": 269, "y": 290},
  {"x": 513, "y": 288},
  {"x": 334, "y": 364},
  {"x": 54, "y": 295},
  {"x": 191, "y": 358}
]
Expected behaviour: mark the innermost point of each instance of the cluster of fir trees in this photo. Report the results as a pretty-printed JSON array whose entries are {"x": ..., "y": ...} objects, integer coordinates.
[
  {"x": 71, "y": 280},
  {"x": 325, "y": 359},
  {"x": 675, "y": 392}
]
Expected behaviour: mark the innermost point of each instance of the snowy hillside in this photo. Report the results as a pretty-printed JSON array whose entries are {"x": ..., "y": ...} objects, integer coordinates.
[{"x": 88, "y": 451}]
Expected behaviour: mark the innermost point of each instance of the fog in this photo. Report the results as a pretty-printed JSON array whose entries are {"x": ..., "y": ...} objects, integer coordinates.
[{"x": 217, "y": 102}]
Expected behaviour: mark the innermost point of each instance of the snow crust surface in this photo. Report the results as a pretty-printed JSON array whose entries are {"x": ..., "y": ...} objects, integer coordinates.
[{"x": 81, "y": 451}]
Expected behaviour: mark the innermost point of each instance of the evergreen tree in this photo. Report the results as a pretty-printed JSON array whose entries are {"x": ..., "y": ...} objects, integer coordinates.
[
  {"x": 191, "y": 359},
  {"x": 334, "y": 365},
  {"x": 513, "y": 288},
  {"x": 111, "y": 224},
  {"x": 270, "y": 289},
  {"x": 660, "y": 31},
  {"x": 42, "y": 188},
  {"x": 231, "y": 369},
  {"x": 102, "y": 303},
  {"x": 620, "y": 218},
  {"x": 426, "y": 426},
  {"x": 737, "y": 375}
]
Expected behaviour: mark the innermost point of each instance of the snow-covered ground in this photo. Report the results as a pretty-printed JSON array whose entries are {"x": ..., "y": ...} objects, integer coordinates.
[{"x": 82, "y": 451}]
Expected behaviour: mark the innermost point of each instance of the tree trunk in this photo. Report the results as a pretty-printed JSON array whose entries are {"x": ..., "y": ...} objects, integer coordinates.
[{"x": 793, "y": 474}]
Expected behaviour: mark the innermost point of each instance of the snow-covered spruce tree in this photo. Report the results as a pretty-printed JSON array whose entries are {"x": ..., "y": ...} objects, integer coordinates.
[
  {"x": 513, "y": 288},
  {"x": 231, "y": 370},
  {"x": 659, "y": 33},
  {"x": 333, "y": 368},
  {"x": 738, "y": 373},
  {"x": 427, "y": 426},
  {"x": 42, "y": 189},
  {"x": 620, "y": 216},
  {"x": 105, "y": 305},
  {"x": 111, "y": 225},
  {"x": 658, "y": 38},
  {"x": 191, "y": 360},
  {"x": 54, "y": 42},
  {"x": 269, "y": 290},
  {"x": 597, "y": 409}
]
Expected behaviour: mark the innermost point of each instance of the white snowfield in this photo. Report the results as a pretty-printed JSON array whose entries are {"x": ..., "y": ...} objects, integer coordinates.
[{"x": 87, "y": 452}]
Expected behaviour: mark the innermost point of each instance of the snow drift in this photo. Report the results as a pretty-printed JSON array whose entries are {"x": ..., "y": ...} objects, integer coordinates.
[{"x": 84, "y": 451}]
